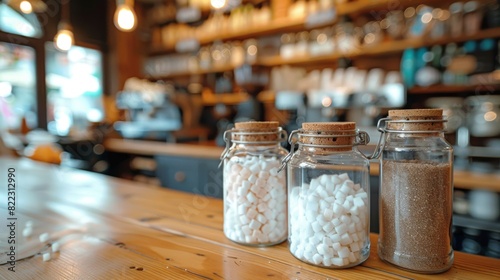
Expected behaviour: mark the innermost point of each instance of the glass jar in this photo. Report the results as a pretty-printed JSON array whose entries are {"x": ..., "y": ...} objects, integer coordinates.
[
  {"x": 416, "y": 192},
  {"x": 254, "y": 192},
  {"x": 328, "y": 195}
]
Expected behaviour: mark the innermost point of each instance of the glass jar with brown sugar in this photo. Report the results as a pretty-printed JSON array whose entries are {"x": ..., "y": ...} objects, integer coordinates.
[{"x": 416, "y": 186}]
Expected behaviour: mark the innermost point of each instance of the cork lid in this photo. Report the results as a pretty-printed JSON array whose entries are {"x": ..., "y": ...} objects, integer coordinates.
[
  {"x": 328, "y": 126},
  {"x": 313, "y": 131},
  {"x": 254, "y": 131},
  {"x": 416, "y": 115}
]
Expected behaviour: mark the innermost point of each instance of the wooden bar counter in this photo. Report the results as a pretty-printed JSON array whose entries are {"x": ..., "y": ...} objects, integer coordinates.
[{"x": 108, "y": 228}]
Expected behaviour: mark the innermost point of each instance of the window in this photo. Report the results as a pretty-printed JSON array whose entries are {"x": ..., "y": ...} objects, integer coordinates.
[
  {"x": 17, "y": 86},
  {"x": 74, "y": 79},
  {"x": 14, "y": 22},
  {"x": 74, "y": 89}
]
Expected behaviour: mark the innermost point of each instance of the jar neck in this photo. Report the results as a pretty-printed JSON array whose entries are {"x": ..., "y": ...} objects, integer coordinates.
[
  {"x": 423, "y": 134},
  {"x": 256, "y": 146},
  {"x": 322, "y": 150}
]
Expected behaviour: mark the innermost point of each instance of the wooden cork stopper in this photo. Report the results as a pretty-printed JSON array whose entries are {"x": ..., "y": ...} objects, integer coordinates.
[
  {"x": 256, "y": 131},
  {"x": 416, "y": 115},
  {"x": 329, "y": 128}
]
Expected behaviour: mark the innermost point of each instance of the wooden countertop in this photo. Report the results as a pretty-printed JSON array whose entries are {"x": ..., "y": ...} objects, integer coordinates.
[
  {"x": 462, "y": 179},
  {"x": 110, "y": 228},
  {"x": 151, "y": 148}
]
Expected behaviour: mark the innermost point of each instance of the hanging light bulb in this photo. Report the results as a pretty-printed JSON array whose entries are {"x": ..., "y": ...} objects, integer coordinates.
[
  {"x": 64, "y": 38},
  {"x": 26, "y": 7},
  {"x": 218, "y": 4},
  {"x": 125, "y": 18}
]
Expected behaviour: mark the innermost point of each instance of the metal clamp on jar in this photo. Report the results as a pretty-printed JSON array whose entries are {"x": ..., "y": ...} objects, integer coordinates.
[
  {"x": 328, "y": 194},
  {"x": 254, "y": 192},
  {"x": 416, "y": 188}
]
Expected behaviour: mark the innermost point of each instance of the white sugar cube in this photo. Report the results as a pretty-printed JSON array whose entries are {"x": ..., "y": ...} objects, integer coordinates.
[
  {"x": 358, "y": 201},
  {"x": 335, "y": 238},
  {"x": 254, "y": 224},
  {"x": 344, "y": 176},
  {"x": 46, "y": 257},
  {"x": 322, "y": 249},
  {"x": 337, "y": 261},
  {"x": 27, "y": 231},
  {"x": 44, "y": 237},
  {"x": 255, "y": 168},
  {"x": 251, "y": 197},
  {"x": 317, "y": 259},
  {"x": 354, "y": 246},
  {"x": 341, "y": 229},
  {"x": 345, "y": 239},
  {"x": 344, "y": 252},
  {"x": 261, "y": 218},
  {"x": 252, "y": 213},
  {"x": 244, "y": 219},
  {"x": 262, "y": 207},
  {"x": 328, "y": 227},
  {"x": 252, "y": 179},
  {"x": 316, "y": 227}
]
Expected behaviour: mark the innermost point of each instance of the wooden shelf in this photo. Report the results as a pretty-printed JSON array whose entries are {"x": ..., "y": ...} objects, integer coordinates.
[
  {"x": 453, "y": 89},
  {"x": 279, "y": 25},
  {"x": 295, "y": 25},
  {"x": 275, "y": 26},
  {"x": 473, "y": 180},
  {"x": 224, "y": 98},
  {"x": 384, "y": 48},
  {"x": 217, "y": 69},
  {"x": 470, "y": 222}
]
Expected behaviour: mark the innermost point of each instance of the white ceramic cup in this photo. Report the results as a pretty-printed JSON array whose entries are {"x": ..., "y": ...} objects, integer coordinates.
[{"x": 484, "y": 204}]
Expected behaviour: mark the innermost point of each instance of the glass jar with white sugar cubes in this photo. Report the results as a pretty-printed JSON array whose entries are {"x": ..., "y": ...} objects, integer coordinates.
[
  {"x": 255, "y": 201},
  {"x": 328, "y": 195}
]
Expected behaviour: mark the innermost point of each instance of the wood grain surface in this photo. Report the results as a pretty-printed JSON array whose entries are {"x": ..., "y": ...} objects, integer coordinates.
[{"x": 109, "y": 228}]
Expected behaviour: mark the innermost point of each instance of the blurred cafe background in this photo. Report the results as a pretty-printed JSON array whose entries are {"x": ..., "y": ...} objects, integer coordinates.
[{"x": 144, "y": 89}]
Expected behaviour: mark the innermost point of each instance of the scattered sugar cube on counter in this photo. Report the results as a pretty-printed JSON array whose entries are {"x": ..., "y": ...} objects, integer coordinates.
[
  {"x": 44, "y": 237},
  {"x": 27, "y": 231},
  {"x": 55, "y": 247},
  {"x": 46, "y": 257}
]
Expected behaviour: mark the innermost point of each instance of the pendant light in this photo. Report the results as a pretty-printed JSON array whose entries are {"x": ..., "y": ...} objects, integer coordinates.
[
  {"x": 28, "y": 6},
  {"x": 64, "y": 38},
  {"x": 218, "y": 4},
  {"x": 125, "y": 18}
]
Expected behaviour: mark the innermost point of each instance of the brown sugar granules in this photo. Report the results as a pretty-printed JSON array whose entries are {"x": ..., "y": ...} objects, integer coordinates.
[{"x": 416, "y": 215}]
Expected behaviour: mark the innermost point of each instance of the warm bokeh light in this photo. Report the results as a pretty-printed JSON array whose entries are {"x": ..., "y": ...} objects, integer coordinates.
[
  {"x": 326, "y": 102},
  {"x": 217, "y": 4},
  {"x": 490, "y": 116},
  {"x": 252, "y": 50},
  {"x": 64, "y": 39},
  {"x": 125, "y": 18},
  {"x": 26, "y": 7}
]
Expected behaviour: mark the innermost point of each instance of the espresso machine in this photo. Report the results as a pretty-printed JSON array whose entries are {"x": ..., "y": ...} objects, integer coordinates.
[{"x": 149, "y": 110}]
